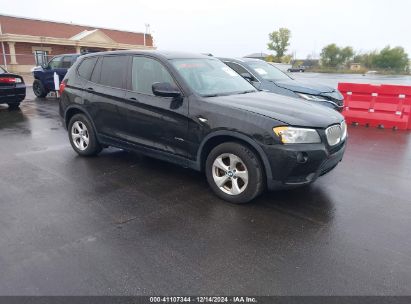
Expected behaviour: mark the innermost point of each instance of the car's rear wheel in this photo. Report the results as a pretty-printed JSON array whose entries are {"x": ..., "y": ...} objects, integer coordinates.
[
  {"x": 39, "y": 89},
  {"x": 234, "y": 172},
  {"x": 14, "y": 105},
  {"x": 82, "y": 137}
]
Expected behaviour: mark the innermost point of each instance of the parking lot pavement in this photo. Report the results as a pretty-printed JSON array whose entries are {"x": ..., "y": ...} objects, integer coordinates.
[{"x": 123, "y": 224}]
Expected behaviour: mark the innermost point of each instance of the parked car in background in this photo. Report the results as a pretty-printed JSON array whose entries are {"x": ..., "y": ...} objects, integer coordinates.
[
  {"x": 44, "y": 75},
  {"x": 195, "y": 111},
  {"x": 267, "y": 77},
  {"x": 12, "y": 89},
  {"x": 300, "y": 69}
]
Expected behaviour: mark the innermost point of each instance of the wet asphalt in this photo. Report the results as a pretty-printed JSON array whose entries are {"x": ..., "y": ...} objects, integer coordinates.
[{"x": 124, "y": 224}]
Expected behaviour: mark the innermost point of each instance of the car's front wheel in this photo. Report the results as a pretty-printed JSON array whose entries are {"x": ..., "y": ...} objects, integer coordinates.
[
  {"x": 82, "y": 137},
  {"x": 39, "y": 89},
  {"x": 234, "y": 172}
]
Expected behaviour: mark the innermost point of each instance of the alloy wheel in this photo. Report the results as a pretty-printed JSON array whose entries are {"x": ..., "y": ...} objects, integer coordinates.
[
  {"x": 230, "y": 174},
  {"x": 80, "y": 135}
]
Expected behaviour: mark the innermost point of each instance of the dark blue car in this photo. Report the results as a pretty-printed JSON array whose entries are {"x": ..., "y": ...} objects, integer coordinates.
[
  {"x": 44, "y": 75},
  {"x": 266, "y": 77}
]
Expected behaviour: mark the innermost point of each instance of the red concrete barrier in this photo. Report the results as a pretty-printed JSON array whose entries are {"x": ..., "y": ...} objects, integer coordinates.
[{"x": 387, "y": 106}]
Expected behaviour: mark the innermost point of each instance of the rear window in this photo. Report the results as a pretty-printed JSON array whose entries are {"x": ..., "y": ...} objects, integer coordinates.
[
  {"x": 113, "y": 70},
  {"x": 86, "y": 67},
  {"x": 2, "y": 71}
]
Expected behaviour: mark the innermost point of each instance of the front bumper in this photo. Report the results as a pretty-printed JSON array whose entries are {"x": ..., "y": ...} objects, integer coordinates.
[
  {"x": 300, "y": 164},
  {"x": 12, "y": 94}
]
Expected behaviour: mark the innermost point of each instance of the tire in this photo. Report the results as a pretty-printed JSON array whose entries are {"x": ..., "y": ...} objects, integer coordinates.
[
  {"x": 80, "y": 130},
  {"x": 245, "y": 172},
  {"x": 39, "y": 89},
  {"x": 14, "y": 105}
]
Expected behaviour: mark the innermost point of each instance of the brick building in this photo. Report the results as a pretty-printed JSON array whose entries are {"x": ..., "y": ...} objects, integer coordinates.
[{"x": 25, "y": 43}]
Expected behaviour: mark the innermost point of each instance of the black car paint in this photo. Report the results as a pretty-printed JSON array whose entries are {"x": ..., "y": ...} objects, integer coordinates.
[
  {"x": 183, "y": 129},
  {"x": 290, "y": 86},
  {"x": 12, "y": 93}
]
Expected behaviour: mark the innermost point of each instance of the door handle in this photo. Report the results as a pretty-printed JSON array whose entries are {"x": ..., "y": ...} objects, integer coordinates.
[
  {"x": 133, "y": 98},
  {"x": 90, "y": 89}
]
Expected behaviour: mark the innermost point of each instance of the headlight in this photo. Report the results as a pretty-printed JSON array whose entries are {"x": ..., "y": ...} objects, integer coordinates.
[
  {"x": 291, "y": 135},
  {"x": 311, "y": 97}
]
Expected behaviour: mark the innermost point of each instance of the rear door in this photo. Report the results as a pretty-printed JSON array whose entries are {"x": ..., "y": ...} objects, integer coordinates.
[
  {"x": 104, "y": 93},
  {"x": 66, "y": 63},
  {"x": 153, "y": 121}
]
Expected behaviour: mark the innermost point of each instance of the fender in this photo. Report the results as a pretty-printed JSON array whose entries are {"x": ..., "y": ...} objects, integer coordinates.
[
  {"x": 84, "y": 111},
  {"x": 242, "y": 137}
]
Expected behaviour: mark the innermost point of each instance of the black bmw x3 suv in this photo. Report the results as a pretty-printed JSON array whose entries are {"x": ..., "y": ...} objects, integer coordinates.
[{"x": 195, "y": 111}]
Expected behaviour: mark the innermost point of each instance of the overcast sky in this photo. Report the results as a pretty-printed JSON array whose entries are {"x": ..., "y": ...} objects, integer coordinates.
[{"x": 237, "y": 28}]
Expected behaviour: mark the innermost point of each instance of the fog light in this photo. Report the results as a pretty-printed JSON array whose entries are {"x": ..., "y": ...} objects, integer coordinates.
[{"x": 302, "y": 157}]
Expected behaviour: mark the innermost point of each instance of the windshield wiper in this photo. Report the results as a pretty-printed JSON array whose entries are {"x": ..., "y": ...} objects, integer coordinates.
[
  {"x": 229, "y": 93},
  {"x": 246, "y": 92},
  {"x": 212, "y": 95}
]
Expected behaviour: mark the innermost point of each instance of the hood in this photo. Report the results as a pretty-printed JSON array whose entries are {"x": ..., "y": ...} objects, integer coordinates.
[
  {"x": 37, "y": 68},
  {"x": 303, "y": 87},
  {"x": 289, "y": 110}
]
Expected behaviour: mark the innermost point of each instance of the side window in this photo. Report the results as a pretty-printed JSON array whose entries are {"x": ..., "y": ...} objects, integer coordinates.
[
  {"x": 113, "y": 70},
  {"x": 86, "y": 67},
  {"x": 236, "y": 67},
  {"x": 147, "y": 71},
  {"x": 55, "y": 63},
  {"x": 66, "y": 62}
]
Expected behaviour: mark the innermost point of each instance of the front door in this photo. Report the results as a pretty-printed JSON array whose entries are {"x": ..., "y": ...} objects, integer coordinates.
[
  {"x": 153, "y": 121},
  {"x": 54, "y": 66}
]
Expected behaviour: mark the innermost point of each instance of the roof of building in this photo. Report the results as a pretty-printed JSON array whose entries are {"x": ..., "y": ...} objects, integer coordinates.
[{"x": 46, "y": 28}]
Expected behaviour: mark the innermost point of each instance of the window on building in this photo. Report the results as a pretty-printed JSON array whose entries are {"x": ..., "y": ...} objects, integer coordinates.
[
  {"x": 40, "y": 57},
  {"x": 113, "y": 71},
  {"x": 86, "y": 67},
  {"x": 147, "y": 71}
]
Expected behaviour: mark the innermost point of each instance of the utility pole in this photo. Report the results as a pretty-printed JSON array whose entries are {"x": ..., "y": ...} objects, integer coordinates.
[
  {"x": 146, "y": 32},
  {"x": 3, "y": 49}
]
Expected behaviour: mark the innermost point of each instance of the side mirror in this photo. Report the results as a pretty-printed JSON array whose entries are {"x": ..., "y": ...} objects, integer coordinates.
[
  {"x": 45, "y": 66},
  {"x": 247, "y": 77},
  {"x": 165, "y": 89}
]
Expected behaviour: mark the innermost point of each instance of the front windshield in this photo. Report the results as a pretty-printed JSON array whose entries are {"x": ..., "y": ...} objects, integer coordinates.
[
  {"x": 211, "y": 77},
  {"x": 267, "y": 71}
]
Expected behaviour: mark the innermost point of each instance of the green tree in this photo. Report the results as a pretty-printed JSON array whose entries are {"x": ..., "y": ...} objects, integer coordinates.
[
  {"x": 392, "y": 59},
  {"x": 366, "y": 59},
  {"x": 334, "y": 56},
  {"x": 286, "y": 59},
  {"x": 329, "y": 55},
  {"x": 270, "y": 58},
  {"x": 279, "y": 42},
  {"x": 346, "y": 54}
]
